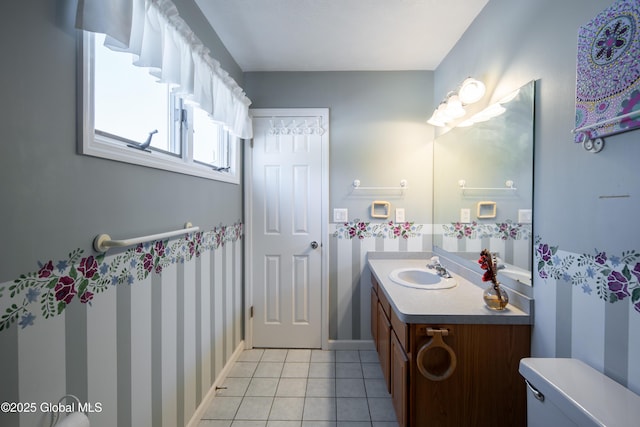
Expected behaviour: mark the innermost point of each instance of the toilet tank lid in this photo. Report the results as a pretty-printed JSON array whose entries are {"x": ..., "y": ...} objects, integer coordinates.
[{"x": 584, "y": 394}]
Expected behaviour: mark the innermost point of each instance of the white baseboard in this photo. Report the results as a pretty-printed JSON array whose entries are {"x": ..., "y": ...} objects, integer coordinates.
[
  {"x": 206, "y": 402},
  {"x": 350, "y": 345}
]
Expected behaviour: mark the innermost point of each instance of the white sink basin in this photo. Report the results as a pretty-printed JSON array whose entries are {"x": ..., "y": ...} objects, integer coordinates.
[{"x": 420, "y": 278}]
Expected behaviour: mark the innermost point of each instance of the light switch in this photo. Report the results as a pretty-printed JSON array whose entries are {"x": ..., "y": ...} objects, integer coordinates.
[
  {"x": 340, "y": 215},
  {"x": 525, "y": 216},
  {"x": 399, "y": 214},
  {"x": 465, "y": 215}
]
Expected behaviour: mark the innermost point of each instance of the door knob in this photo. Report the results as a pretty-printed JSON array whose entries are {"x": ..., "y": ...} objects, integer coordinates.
[{"x": 314, "y": 245}]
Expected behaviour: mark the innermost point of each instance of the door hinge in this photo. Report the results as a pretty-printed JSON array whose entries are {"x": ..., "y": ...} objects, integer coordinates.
[{"x": 251, "y": 312}]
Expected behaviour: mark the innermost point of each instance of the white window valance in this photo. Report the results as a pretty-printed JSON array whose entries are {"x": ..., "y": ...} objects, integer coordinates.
[{"x": 161, "y": 40}]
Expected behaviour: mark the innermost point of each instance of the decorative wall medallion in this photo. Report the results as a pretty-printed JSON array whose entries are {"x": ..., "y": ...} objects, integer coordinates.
[
  {"x": 49, "y": 290},
  {"x": 615, "y": 278},
  {"x": 357, "y": 229}
]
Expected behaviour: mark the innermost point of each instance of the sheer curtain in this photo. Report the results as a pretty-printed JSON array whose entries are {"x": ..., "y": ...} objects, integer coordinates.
[{"x": 161, "y": 40}]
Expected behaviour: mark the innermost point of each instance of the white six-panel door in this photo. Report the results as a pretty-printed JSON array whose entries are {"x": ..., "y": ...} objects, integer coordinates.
[{"x": 286, "y": 231}]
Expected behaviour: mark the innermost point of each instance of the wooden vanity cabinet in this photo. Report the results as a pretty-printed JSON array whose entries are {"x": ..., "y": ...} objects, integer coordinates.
[
  {"x": 381, "y": 331},
  {"x": 374, "y": 316},
  {"x": 384, "y": 345},
  {"x": 391, "y": 353},
  {"x": 484, "y": 389},
  {"x": 399, "y": 380}
]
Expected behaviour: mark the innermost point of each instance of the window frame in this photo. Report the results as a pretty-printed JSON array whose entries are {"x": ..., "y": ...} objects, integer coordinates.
[{"x": 97, "y": 144}]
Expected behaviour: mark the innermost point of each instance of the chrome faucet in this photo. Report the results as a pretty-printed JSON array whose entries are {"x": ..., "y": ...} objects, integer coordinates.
[{"x": 439, "y": 268}]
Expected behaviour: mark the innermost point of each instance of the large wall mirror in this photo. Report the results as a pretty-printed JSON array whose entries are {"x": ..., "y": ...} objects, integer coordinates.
[{"x": 483, "y": 185}]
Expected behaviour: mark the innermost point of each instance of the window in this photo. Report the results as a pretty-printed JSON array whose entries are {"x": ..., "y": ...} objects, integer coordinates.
[
  {"x": 210, "y": 141},
  {"x": 130, "y": 116}
]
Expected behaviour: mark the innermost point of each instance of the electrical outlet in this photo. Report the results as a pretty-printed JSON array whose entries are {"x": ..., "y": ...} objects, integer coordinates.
[
  {"x": 340, "y": 215},
  {"x": 465, "y": 215},
  {"x": 399, "y": 214}
]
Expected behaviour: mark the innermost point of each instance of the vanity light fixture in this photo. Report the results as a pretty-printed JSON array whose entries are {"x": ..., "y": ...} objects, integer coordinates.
[
  {"x": 452, "y": 107},
  {"x": 471, "y": 91}
]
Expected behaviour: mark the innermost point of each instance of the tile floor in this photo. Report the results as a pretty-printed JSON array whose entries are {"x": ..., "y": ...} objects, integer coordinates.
[{"x": 302, "y": 388}]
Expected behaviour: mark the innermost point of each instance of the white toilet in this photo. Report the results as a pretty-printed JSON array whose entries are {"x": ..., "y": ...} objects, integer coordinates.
[{"x": 568, "y": 393}]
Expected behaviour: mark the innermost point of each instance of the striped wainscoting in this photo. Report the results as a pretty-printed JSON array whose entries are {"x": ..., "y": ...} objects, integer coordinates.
[
  {"x": 349, "y": 277},
  {"x": 144, "y": 348},
  {"x": 588, "y": 307},
  {"x": 512, "y": 241}
]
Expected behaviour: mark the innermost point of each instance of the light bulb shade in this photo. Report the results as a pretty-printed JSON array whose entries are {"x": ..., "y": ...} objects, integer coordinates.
[
  {"x": 435, "y": 122},
  {"x": 441, "y": 114},
  {"x": 466, "y": 123},
  {"x": 471, "y": 91},
  {"x": 454, "y": 107}
]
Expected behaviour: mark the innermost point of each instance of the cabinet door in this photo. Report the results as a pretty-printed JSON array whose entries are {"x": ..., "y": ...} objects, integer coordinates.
[
  {"x": 384, "y": 345},
  {"x": 374, "y": 317},
  {"x": 399, "y": 380},
  {"x": 486, "y": 376}
]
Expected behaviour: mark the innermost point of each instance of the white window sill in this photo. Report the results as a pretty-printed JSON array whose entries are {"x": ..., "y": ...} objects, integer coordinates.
[{"x": 99, "y": 147}]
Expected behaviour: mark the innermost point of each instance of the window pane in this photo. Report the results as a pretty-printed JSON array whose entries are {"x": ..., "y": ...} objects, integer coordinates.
[
  {"x": 207, "y": 137},
  {"x": 129, "y": 103}
]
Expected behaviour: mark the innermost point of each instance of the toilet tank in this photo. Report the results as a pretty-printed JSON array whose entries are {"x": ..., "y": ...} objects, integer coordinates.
[{"x": 568, "y": 393}]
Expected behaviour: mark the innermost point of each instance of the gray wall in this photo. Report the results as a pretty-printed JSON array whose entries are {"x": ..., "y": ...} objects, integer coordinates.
[
  {"x": 510, "y": 43},
  {"x": 148, "y": 352},
  {"x": 378, "y": 134},
  {"x": 54, "y": 200}
]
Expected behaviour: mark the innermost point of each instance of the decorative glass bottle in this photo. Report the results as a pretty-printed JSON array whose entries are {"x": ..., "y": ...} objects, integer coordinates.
[{"x": 496, "y": 297}]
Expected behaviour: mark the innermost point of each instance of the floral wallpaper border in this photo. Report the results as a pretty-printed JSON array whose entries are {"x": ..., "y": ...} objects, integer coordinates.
[
  {"x": 48, "y": 291},
  {"x": 358, "y": 229},
  {"x": 616, "y": 277},
  {"x": 502, "y": 230}
]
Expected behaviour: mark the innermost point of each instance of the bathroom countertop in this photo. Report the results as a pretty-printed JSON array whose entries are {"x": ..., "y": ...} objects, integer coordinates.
[{"x": 462, "y": 304}]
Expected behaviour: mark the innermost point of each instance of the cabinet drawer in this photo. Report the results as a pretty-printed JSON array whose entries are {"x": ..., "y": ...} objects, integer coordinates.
[
  {"x": 374, "y": 284},
  {"x": 384, "y": 302},
  {"x": 402, "y": 331},
  {"x": 374, "y": 317}
]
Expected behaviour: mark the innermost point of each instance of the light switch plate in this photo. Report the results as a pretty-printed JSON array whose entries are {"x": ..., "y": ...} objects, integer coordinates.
[
  {"x": 340, "y": 215},
  {"x": 465, "y": 215},
  {"x": 399, "y": 214},
  {"x": 525, "y": 216}
]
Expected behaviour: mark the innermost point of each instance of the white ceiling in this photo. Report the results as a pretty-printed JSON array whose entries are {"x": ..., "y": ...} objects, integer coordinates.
[{"x": 331, "y": 35}]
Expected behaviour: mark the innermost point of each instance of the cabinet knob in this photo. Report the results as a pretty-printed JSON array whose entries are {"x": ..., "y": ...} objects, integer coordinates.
[{"x": 429, "y": 359}]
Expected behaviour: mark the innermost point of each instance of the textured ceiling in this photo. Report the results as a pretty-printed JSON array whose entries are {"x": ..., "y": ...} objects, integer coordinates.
[{"x": 323, "y": 35}]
